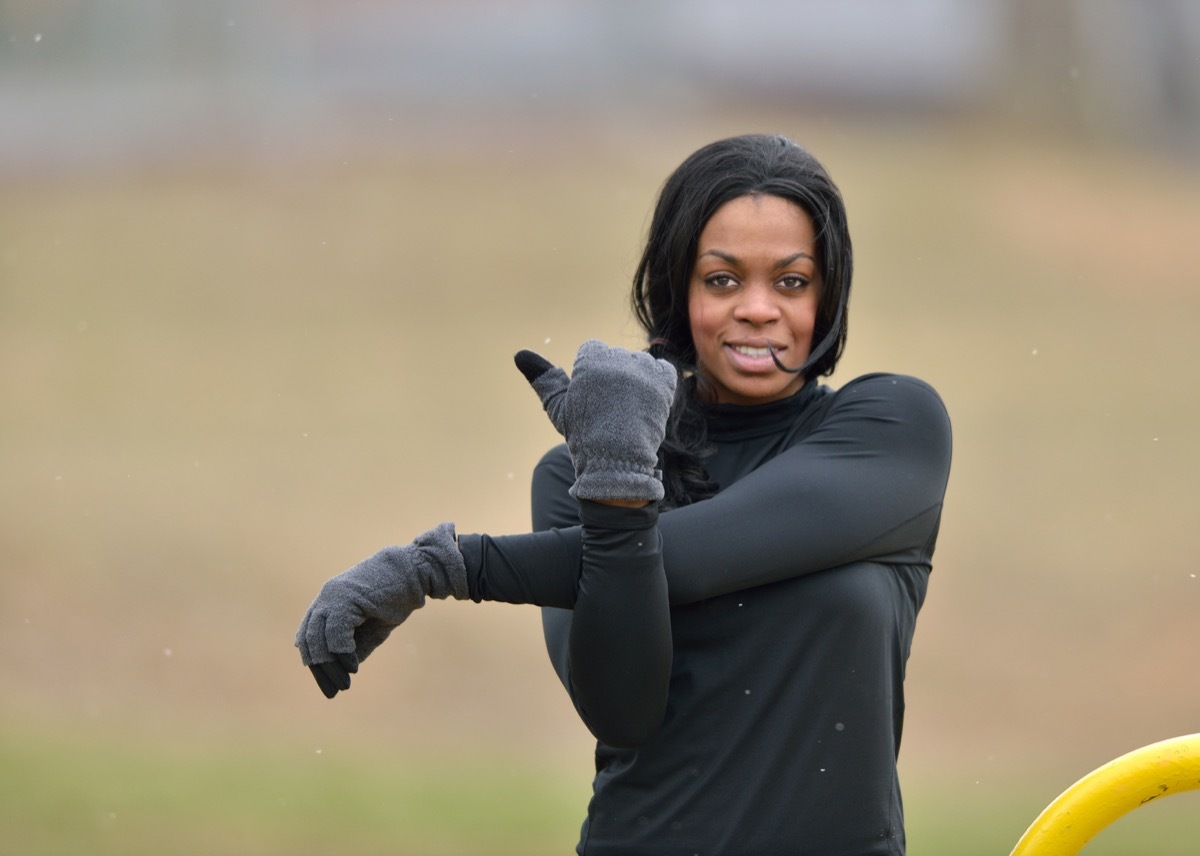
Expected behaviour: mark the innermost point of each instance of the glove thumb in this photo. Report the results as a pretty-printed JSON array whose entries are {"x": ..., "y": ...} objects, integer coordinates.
[
  {"x": 548, "y": 381},
  {"x": 532, "y": 365}
]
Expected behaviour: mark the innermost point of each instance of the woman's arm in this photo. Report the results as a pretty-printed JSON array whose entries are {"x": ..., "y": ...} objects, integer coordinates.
[
  {"x": 867, "y": 483},
  {"x": 617, "y": 651}
]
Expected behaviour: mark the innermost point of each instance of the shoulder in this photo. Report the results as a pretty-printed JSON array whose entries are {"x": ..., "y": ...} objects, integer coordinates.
[
  {"x": 899, "y": 384},
  {"x": 899, "y": 407},
  {"x": 886, "y": 390}
]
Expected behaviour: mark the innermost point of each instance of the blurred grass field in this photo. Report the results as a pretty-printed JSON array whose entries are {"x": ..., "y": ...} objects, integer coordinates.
[
  {"x": 106, "y": 797},
  {"x": 221, "y": 384},
  {"x": 100, "y": 796}
]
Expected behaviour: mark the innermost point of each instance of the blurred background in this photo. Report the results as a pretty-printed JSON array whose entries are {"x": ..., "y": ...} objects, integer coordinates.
[{"x": 263, "y": 266}]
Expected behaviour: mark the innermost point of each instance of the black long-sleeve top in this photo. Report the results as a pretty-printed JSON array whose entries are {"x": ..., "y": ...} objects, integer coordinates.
[{"x": 741, "y": 660}]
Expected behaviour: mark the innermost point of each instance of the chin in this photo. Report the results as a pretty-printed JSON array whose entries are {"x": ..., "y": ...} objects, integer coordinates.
[{"x": 750, "y": 394}]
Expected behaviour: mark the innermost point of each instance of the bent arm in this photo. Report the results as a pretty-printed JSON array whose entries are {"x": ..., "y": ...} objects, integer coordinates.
[
  {"x": 607, "y": 624},
  {"x": 618, "y": 644},
  {"x": 867, "y": 483}
]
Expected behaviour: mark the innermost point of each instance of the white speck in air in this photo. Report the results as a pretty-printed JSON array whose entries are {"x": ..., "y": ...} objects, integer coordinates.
[
  {"x": 839, "y": 727},
  {"x": 509, "y": 476},
  {"x": 37, "y": 37},
  {"x": 319, "y": 751},
  {"x": 1035, "y": 352},
  {"x": 167, "y": 652},
  {"x": 547, "y": 341},
  {"x": 747, "y": 692}
]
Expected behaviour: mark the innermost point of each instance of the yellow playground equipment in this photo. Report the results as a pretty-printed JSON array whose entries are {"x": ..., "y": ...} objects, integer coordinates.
[{"x": 1103, "y": 795}]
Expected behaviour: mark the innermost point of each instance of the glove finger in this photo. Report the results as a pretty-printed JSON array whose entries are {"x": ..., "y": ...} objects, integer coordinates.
[
  {"x": 337, "y": 634},
  {"x": 594, "y": 349},
  {"x": 369, "y": 636},
  {"x": 327, "y": 686},
  {"x": 348, "y": 662},
  {"x": 314, "y": 649},
  {"x": 668, "y": 373},
  {"x": 336, "y": 673},
  {"x": 302, "y": 639},
  {"x": 532, "y": 365}
]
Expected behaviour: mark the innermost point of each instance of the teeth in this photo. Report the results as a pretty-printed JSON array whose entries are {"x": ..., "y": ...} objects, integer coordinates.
[{"x": 752, "y": 352}]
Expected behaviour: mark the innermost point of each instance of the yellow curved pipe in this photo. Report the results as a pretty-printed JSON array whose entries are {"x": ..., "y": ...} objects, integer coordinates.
[{"x": 1082, "y": 810}]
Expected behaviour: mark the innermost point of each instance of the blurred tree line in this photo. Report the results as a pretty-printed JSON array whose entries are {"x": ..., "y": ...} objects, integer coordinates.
[{"x": 1125, "y": 70}]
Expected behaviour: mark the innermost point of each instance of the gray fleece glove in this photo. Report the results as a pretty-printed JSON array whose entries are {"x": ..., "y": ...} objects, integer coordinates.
[
  {"x": 613, "y": 413},
  {"x": 357, "y": 609}
]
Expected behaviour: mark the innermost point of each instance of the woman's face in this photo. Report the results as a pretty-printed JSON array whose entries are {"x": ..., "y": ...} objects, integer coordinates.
[{"x": 755, "y": 282}]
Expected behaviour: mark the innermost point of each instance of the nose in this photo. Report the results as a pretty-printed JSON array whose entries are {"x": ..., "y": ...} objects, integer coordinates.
[{"x": 757, "y": 304}]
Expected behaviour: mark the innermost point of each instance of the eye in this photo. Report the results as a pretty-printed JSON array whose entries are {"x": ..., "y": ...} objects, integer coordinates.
[
  {"x": 720, "y": 281},
  {"x": 793, "y": 282}
]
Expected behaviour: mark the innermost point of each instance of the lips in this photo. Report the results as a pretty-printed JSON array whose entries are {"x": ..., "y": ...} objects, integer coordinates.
[
  {"x": 751, "y": 351},
  {"x": 754, "y": 358}
]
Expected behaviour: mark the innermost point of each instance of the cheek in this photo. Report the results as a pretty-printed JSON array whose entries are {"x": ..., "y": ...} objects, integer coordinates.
[{"x": 806, "y": 319}]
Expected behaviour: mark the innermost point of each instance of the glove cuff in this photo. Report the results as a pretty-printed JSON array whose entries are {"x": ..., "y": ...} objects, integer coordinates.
[
  {"x": 443, "y": 570},
  {"x": 618, "y": 480}
]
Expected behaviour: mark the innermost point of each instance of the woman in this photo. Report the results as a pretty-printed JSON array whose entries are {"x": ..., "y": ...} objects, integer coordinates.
[{"x": 734, "y": 634}]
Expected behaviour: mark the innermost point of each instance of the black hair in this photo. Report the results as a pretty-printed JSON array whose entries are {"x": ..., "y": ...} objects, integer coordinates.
[{"x": 754, "y": 164}]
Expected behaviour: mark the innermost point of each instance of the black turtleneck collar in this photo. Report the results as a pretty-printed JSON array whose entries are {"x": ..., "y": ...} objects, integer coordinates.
[{"x": 728, "y": 422}]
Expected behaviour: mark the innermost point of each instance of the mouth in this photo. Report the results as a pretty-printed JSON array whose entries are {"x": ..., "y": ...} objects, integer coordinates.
[
  {"x": 758, "y": 349},
  {"x": 753, "y": 351},
  {"x": 755, "y": 358}
]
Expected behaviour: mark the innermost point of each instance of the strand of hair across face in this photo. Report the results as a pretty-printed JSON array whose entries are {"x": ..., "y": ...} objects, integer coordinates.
[
  {"x": 779, "y": 363},
  {"x": 820, "y": 350}
]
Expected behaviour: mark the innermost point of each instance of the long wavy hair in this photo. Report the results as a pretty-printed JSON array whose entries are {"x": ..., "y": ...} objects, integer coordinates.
[{"x": 754, "y": 164}]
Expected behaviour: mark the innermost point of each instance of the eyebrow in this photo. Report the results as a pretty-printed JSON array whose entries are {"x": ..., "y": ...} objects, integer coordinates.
[{"x": 734, "y": 260}]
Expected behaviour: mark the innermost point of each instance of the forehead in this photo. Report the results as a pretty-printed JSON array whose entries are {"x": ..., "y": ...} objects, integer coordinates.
[{"x": 758, "y": 219}]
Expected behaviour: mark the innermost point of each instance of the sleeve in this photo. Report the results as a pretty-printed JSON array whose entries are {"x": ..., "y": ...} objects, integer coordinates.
[
  {"x": 552, "y": 509},
  {"x": 866, "y": 483},
  {"x": 606, "y": 616}
]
